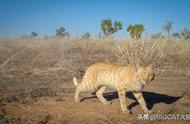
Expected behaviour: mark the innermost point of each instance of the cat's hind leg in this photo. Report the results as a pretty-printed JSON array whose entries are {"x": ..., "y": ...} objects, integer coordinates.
[
  {"x": 77, "y": 94},
  {"x": 99, "y": 94}
]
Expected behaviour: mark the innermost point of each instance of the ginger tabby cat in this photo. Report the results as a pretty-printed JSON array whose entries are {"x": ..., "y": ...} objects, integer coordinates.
[{"x": 123, "y": 78}]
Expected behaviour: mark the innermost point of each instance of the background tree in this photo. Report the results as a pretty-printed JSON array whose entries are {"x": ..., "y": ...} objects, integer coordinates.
[
  {"x": 108, "y": 28},
  {"x": 85, "y": 35},
  {"x": 61, "y": 32},
  {"x": 168, "y": 27},
  {"x": 176, "y": 35},
  {"x": 185, "y": 33},
  {"x": 117, "y": 26},
  {"x": 33, "y": 34},
  {"x": 135, "y": 31}
]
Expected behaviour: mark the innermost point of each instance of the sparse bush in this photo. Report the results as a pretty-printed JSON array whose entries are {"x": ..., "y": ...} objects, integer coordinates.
[
  {"x": 170, "y": 57},
  {"x": 33, "y": 34},
  {"x": 176, "y": 35},
  {"x": 142, "y": 52},
  {"x": 61, "y": 32},
  {"x": 185, "y": 33},
  {"x": 85, "y": 36}
]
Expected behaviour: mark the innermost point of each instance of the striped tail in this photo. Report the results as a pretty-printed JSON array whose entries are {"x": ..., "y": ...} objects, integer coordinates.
[{"x": 75, "y": 81}]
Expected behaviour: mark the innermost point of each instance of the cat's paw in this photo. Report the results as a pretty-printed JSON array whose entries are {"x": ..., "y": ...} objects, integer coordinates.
[
  {"x": 149, "y": 112},
  {"x": 127, "y": 112}
]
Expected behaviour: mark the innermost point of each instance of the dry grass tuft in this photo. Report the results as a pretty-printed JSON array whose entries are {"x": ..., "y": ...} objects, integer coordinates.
[
  {"x": 61, "y": 59},
  {"x": 171, "y": 57},
  {"x": 142, "y": 52}
]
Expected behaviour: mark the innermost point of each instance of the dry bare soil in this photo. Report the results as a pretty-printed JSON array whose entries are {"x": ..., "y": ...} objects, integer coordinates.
[{"x": 48, "y": 104}]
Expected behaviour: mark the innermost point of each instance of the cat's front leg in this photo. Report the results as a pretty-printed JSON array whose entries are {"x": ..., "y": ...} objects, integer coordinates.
[
  {"x": 141, "y": 101},
  {"x": 122, "y": 98}
]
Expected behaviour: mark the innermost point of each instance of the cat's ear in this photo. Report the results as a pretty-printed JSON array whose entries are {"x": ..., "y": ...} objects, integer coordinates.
[{"x": 137, "y": 67}]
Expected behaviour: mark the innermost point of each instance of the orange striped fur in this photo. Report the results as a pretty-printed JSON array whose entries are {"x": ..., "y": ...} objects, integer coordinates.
[{"x": 123, "y": 78}]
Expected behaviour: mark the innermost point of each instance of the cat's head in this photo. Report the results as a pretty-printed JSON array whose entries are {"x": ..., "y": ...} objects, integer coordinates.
[{"x": 145, "y": 74}]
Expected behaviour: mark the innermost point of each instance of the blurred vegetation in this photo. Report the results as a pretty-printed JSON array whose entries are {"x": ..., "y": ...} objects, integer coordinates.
[
  {"x": 108, "y": 28},
  {"x": 157, "y": 35},
  {"x": 85, "y": 35},
  {"x": 61, "y": 32},
  {"x": 168, "y": 27},
  {"x": 135, "y": 31},
  {"x": 33, "y": 34}
]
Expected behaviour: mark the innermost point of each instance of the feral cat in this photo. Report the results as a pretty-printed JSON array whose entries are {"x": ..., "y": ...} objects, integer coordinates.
[{"x": 123, "y": 78}]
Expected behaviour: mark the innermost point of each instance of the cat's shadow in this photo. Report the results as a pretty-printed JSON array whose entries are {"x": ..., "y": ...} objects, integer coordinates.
[{"x": 150, "y": 98}]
